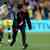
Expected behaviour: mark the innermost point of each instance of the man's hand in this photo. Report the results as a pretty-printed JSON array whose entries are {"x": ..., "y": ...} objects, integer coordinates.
[{"x": 21, "y": 23}]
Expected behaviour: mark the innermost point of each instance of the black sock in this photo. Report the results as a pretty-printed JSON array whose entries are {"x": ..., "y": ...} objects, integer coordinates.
[
  {"x": 0, "y": 39},
  {"x": 9, "y": 36}
]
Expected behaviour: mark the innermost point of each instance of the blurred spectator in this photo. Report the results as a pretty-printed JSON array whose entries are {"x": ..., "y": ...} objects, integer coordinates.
[
  {"x": 38, "y": 14},
  {"x": 3, "y": 11},
  {"x": 49, "y": 9},
  {"x": 29, "y": 9},
  {"x": 43, "y": 5},
  {"x": 34, "y": 5},
  {"x": 46, "y": 13},
  {"x": 41, "y": 8},
  {"x": 46, "y": 9},
  {"x": 11, "y": 13}
]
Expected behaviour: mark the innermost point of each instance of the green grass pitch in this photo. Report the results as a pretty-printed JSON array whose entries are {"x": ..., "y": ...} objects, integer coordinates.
[{"x": 36, "y": 41}]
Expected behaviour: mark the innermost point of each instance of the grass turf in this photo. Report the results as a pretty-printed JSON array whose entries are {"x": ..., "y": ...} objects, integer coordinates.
[{"x": 36, "y": 41}]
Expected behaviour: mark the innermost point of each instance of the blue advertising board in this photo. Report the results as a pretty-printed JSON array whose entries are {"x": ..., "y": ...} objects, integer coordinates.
[{"x": 39, "y": 26}]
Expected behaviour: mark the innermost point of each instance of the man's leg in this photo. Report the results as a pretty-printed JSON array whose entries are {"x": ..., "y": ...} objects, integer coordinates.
[
  {"x": 14, "y": 37},
  {"x": 1, "y": 36},
  {"x": 24, "y": 37},
  {"x": 9, "y": 35}
]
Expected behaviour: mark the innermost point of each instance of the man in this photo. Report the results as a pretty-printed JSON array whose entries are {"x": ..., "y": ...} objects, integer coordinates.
[
  {"x": 46, "y": 9},
  {"x": 11, "y": 14},
  {"x": 20, "y": 23},
  {"x": 29, "y": 8},
  {"x": 1, "y": 31},
  {"x": 3, "y": 13},
  {"x": 34, "y": 5}
]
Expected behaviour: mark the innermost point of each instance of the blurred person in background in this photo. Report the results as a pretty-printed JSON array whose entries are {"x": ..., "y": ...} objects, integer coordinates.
[
  {"x": 46, "y": 9},
  {"x": 1, "y": 29},
  {"x": 29, "y": 9},
  {"x": 38, "y": 15},
  {"x": 1, "y": 32},
  {"x": 3, "y": 13},
  {"x": 11, "y": 15},
  {"x": 33, "y": 4},
  {"x": 41, "y": 8},
  {"x": 49, "y": 9}
]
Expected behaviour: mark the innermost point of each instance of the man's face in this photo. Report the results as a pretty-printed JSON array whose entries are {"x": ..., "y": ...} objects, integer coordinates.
[{"x": 24, "y": 7}]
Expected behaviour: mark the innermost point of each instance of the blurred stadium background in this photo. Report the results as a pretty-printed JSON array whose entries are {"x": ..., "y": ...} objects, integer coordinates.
[{"x": 36, "y": 41}]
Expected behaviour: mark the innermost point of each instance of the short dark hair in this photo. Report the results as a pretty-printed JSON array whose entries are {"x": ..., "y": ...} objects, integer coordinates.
[
  {"x": 27, "y": 3},
  {"x": 19, "y": 6}
]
